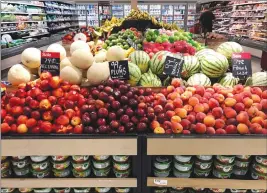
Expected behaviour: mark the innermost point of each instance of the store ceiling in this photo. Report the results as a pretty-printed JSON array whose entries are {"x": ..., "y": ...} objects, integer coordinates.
[{"x": 145, "y": 1}]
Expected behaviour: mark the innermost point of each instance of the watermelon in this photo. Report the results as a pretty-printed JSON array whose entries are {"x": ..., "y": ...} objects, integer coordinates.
[
  {"x": 199, "y": 79},
  {"x": 156, "y": 63},
  {"x": 141, "y": 59},
  {"x": 203, "y": 52},
  {"x": 214, "y": 65},
  {"x": 229, "y": 80},
  {"x": 228, "y": 48},
  {"x": 191, "y": 66},
  {"x": 150, "y": 80},
  {"x": 135, "y": 74},
  {"x": 257, "y": 79}
]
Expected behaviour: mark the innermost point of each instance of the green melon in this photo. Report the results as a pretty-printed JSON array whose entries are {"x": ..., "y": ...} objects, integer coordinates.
[
  {"x": 156, "y": 64},
  {"x": 257, "y": 79},
  {"x": 141, "y": 59},
  {"x": 150, "y": 80},
  {"x": 191, "y": 66},
  {"x": 228, "y": 80},
  {"x": 214, "y": 65},
  {"x": 203, "y": 52},
  {"x": 135, "y": 74},
  {"x": 228, "y": 48},
  {"x": 199, "y": 79}
]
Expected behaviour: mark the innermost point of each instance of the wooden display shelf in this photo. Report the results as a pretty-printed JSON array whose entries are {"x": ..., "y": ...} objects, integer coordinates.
[
  {"x": 207, "y": 183},
  {"x": 207, "y": 146},
  {"x": 48, "y": 147},
  {"x": 68, "y": 182}
]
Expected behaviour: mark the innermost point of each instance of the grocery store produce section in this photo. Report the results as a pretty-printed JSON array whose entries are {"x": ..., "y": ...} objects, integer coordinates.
[{"x": 135, "y": 105}]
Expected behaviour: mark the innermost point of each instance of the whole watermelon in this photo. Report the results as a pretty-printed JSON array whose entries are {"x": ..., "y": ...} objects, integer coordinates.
[
  {"x": 156, "y": 64},
  {"x": 228, "y": 80},
  {"x": 135, "y": 74},
  {"x": 214, "y": 65},
  {"x": 203, "y": 52},
  {"x": 141, "y": 59},
  {"x": 150, "y": 80},
  {"x": 199, "y": 79},
  {"x": 257, "y": 79},
  {"x": 228, "y": 48},
  {"x": 191, "y": 66}
]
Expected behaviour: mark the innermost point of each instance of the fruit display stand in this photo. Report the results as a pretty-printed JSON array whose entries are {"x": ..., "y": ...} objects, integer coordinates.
[
  {"x": 202, "y": 145},
  {"x": 72, "y": 145}
]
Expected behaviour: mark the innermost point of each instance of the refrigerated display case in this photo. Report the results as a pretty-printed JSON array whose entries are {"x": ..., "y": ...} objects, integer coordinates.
[
  {"x": 127, "y": 10},
  {"x": 191, "y": 15},
  {"x": 104, "y": 13},
  {"x": 155, "y": 10},
  {"x": 167, "y": 13},
  {"x": 118, "y": 10},
  {"x": 92, "y": 15},
  {"x": 179, "y": 12},
  {"x": 143, "y": 7},
  {"x": 81, "y": 15}
]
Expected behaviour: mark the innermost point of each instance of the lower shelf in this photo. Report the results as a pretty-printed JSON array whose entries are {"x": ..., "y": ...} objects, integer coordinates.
[
  {"x": 68, "y": 182},
  {"x": 206, "y": 183}
]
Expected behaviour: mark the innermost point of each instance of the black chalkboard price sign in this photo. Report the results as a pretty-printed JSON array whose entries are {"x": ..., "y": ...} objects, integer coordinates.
[
  {"x": 50, "y": 61},
  {"x": 173, "y": 66},
  {"x": 132, "y": 44},
  {"x": 241, "y": 65},
  {"x": 119, "y": 70}
]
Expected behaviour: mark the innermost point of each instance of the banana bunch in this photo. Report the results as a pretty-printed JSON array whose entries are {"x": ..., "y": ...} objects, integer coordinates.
[
  {"x": 108, "y": 25},
  {"x": 136, "y": 14},
  {"x": 129, "y": 51}
]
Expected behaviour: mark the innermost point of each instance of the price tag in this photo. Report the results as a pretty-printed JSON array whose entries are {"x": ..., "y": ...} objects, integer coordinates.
[
  {"x": 119, "y": 70},
  {"x": 132, "y": 43},
  {"x": 161, "y": 182},
  {"x": 241, "y": 64},
  {"x": 50, "y": 61},
  {"x": 173, "y": 66}
]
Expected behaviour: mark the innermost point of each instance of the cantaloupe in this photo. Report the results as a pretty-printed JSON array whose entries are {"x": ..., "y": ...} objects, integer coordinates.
[
  {"x": 18, "y": 74},
  {"x": 101, "y": 56},
  {"x": 115, "y": 53},
  {"x": 80, "y": 36},
  {"x": 57, "y": 48},
  {"x": 65, "y": 62},
  {"x": 79, "y": 45},
  {"x": 82, "y": 59},
  {"x": 71, "y": 74},
  {"x": 31, "y": 57},
  {"x": 98, "y": 73}
]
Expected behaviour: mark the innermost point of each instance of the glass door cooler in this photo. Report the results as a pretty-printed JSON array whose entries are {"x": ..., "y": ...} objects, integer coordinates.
[
  {"x": 92, "y": 15},
  {"x": 155, "y": 10},
  {"x": 179, "y": 12},
  {"x": 118, "y": 10},
  {"x": 167, "y": 13},
  {"x": 142, "y": 7},
  {"x": 127, "y": 10},
  {"x": 191, "y": 15}
]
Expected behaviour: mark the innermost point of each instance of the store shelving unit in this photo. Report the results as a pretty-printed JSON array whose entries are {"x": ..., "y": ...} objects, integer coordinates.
[
  {"x": 117, "y": 10},
  {"x": 81, "y": 15},
  {"x": 127, "y": 9},
  {"x": 92, "y": 15},
  {"x": 179, "y": 15},
  {"x": 155, "y": 10},
  {"x": 167, "y": 13}
]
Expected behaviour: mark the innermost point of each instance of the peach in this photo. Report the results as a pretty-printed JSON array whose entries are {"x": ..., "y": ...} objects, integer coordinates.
[
  {"x": 247, "y": 93},
  {"x": 159, "y": 130},
  {"x": 230, "y": 95},
  {"x": 176, "y": 82},
  {"x": 75, "y": 120},
  {"x": 200, "y": 128},
  {"x": 219, "y": 124},
  {"x": 46, "y": 127},
  {"x": 261, "y": 114},
  {"x": 181, "y": 112},
  {"x": 45, "y": 104},
  {"x": 5, "y": 128},
  {"x": 154, "y": 124},
  {"x": 69, "y": 113},
  {"x": 200, "y": 117},
  {"x": 193, "y": 101},
  {"x": 264, "y": 124},
  {"x": 242, "y": 117},
  {"x": 173, "y": 96},
  {"x": 247, "y": 102},
  {"x": 191, "y": 118},
  {"x": 264, "y": 94},
  {"x": 210, "y": 131},
  {"x": 22, "y": 128},
  {"x": 217, "y": 112},
  {"x": 186, "y": 95},
  {"x": 177, "y": 128},
  {"x": 178, "y": 103},
  {"x": 207, "y": 95},
  {"x": 167, "y": 125},
  {"x": 14, "y": 101},
  {"x": 191, "y": 89},
  {"x": 206, "y": 107},
  {"x": 231, "y": 121},
  {"x": 231, "y": 129},
  {"x": 199, "y": 108},
  {"x": 209, "y": 121},
  {"x": 186, "y": 132},
  {"x": 238, "y": 88},
  {"x": 220, "y": 132},
  {"x": 30, "y": 123},
  {"x": 45, "y": 75},
  {"x": 258, "y": 120},
  {"x": 264, "y": 104},
  {"x": 255, "y": 128},
  {"x": 239, "y": 107},
  {"x": 257, "y": 105},
  {"x": 188, "y": 108},
  {"x": 255, "y": 98},
  {"x": 36, "y": 115},
  {"x": 252, "y": 111},
  {"x": 238, "y": 97},
  {"x": 22, "y": 119},
  {"x": 16, "y": 111},
  {"x": 219, "y": 97},
  {"x": 213, "y": 103},
  {"x": 55, "y": 81},
  {"x": 169, "y": 106},
  {"x": 264, "y": 131},
  {"x": 230, "y": 102},
  {"x": 13, "y": 128},
  {"x": 210, "y": 90},
  {"x": 170, "y": 114},
  {"x": 185, "y": 123},
  {"x": 170, "y": 88},
  {"x": 229, "y": 112},
  {"x": 200, "y": 90},
  {"x": 175, "y": 119},
  {"x": 242, "y": 128},
  {"x": 58, "y": 92},
  {"x": 225, "y": 91},
  {"x": 62, "y": 120},
  {"x": 47, "y": 116}
]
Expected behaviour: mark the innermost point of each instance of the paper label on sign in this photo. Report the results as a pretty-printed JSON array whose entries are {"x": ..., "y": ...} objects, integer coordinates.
[
  {"x": 119, "y": 70},
  {"x": 161, "y": 182},
  {"x": 50, "y": 61},
  {"x": 241, "y": 65},
  {"x": 173, "y": 66}
]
